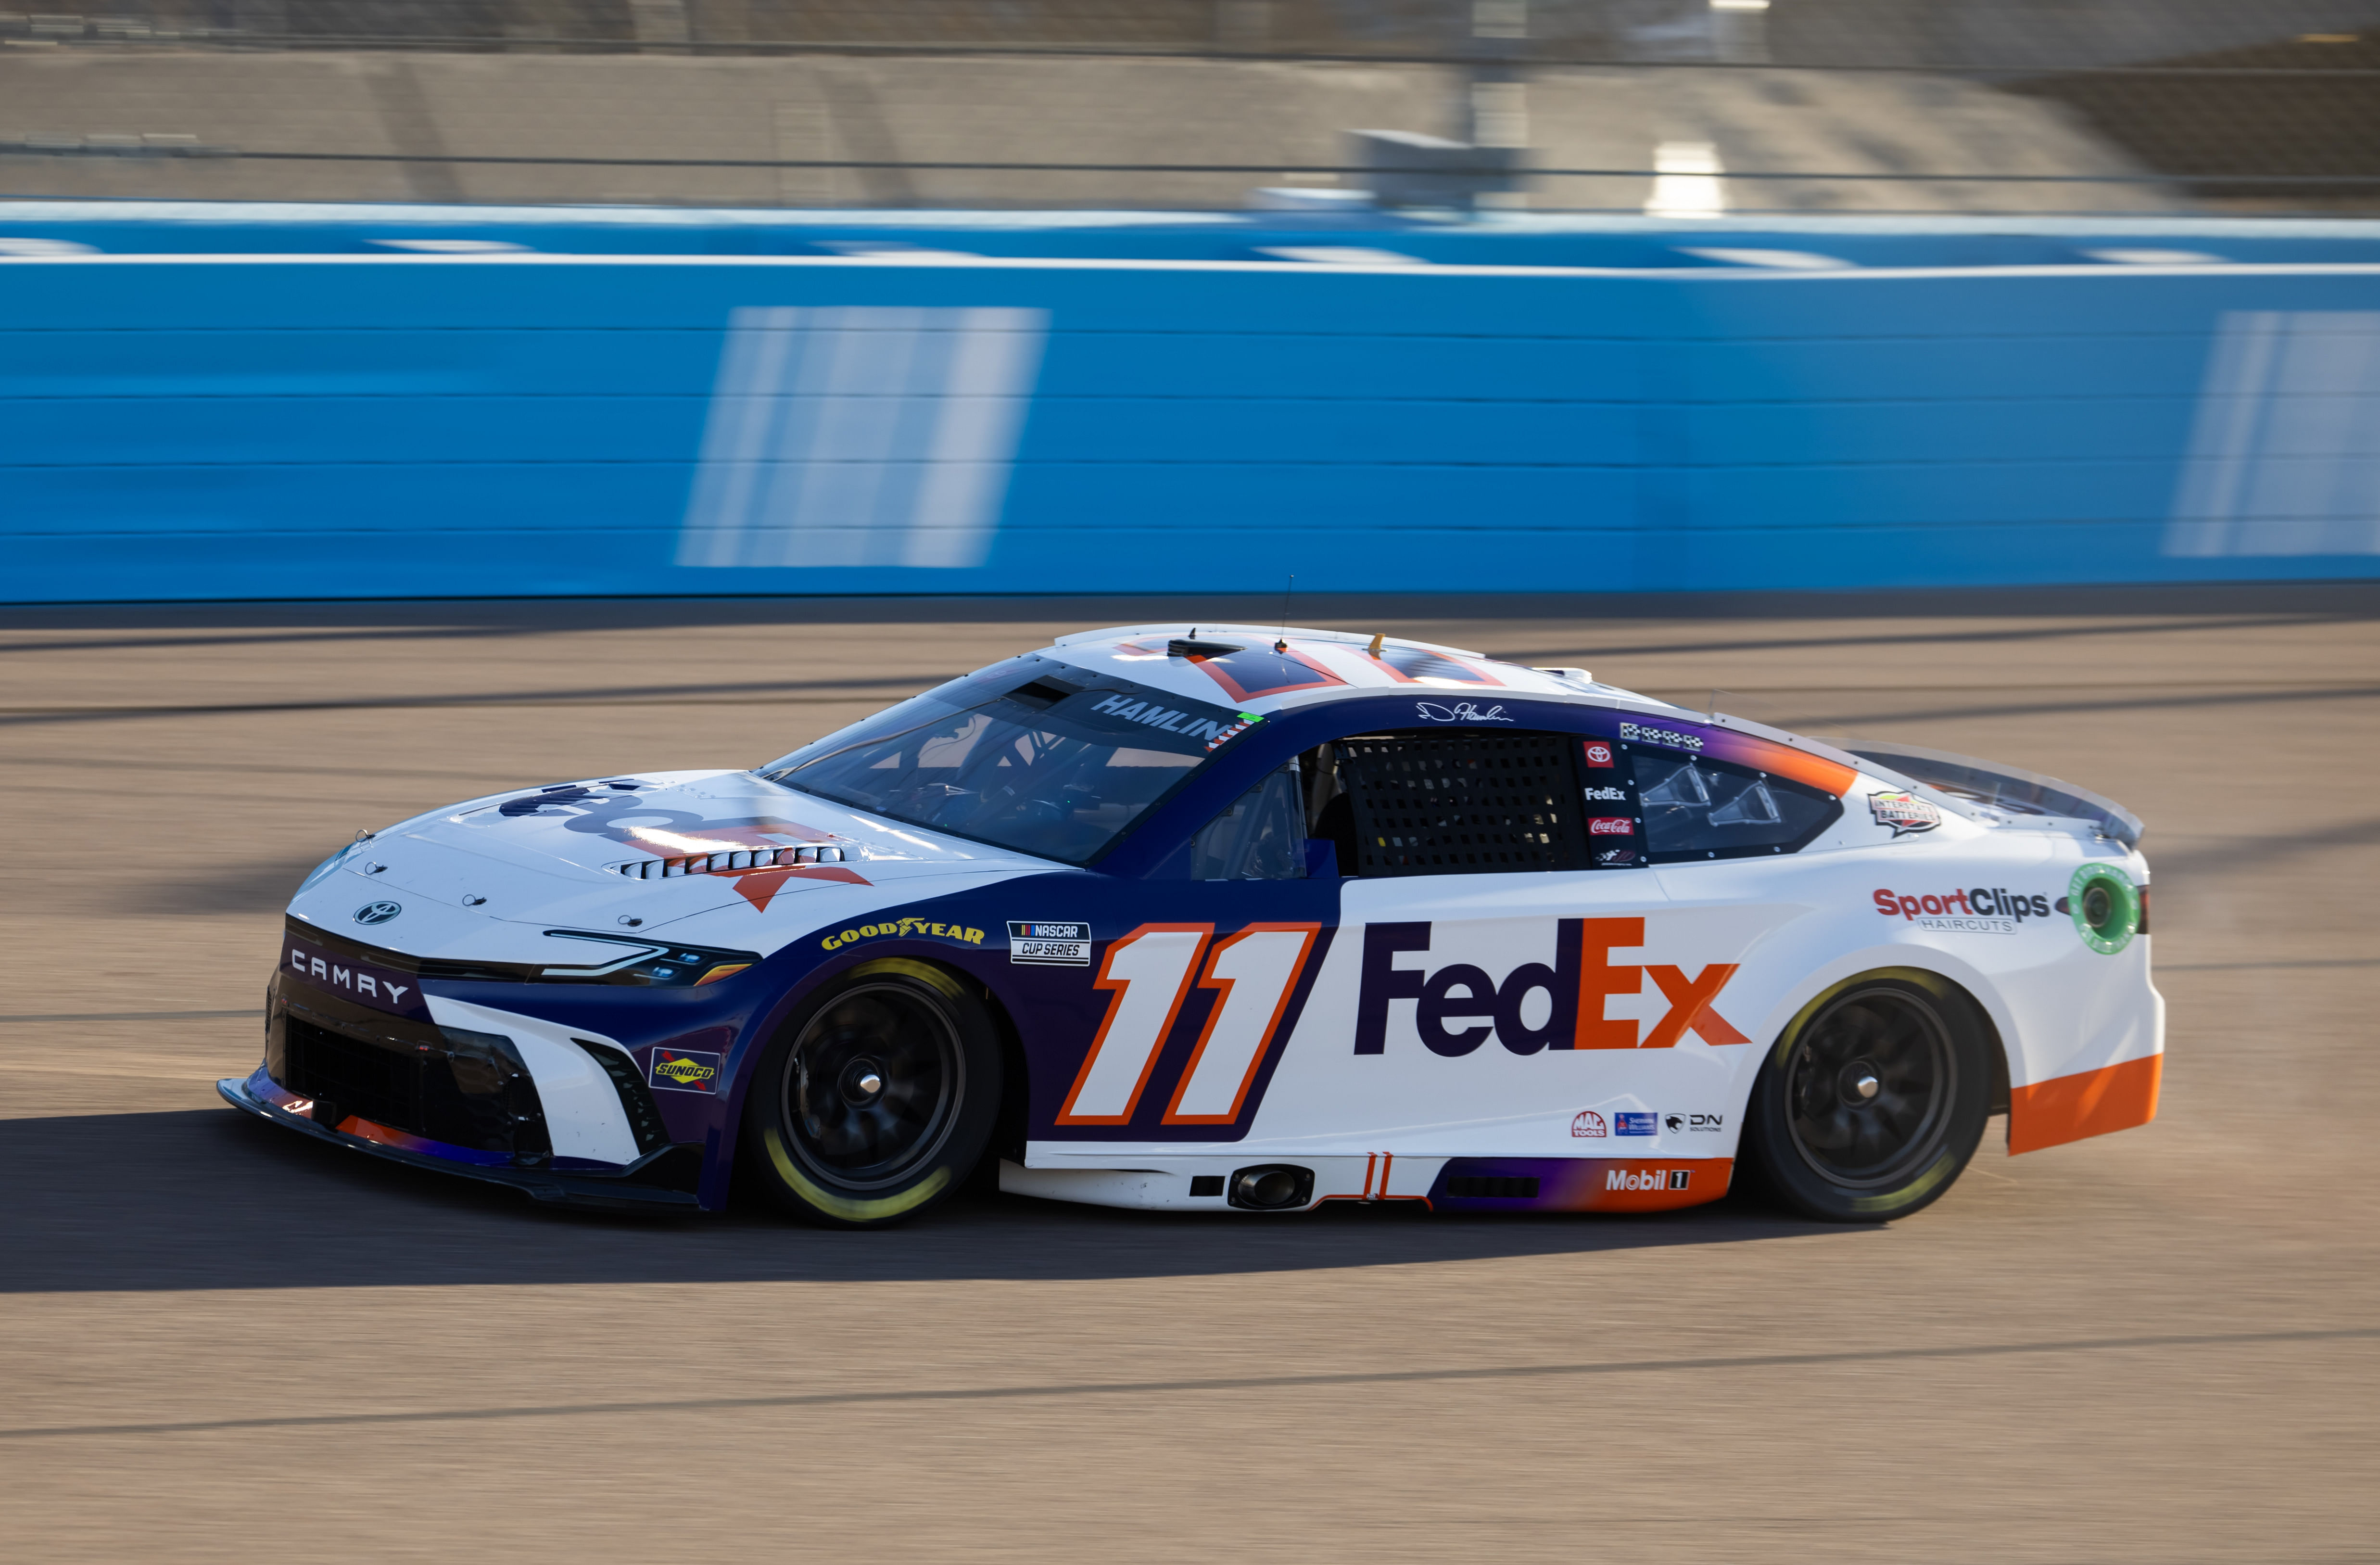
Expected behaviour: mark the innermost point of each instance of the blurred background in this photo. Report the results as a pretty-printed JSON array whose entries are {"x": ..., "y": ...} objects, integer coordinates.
[
  {"x": 403, "y": 401},
  {"x": 1678, "y": 107}
]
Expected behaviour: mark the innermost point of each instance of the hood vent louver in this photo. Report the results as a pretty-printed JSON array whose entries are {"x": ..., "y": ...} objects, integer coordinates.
[{"x": 717, "y": 863}]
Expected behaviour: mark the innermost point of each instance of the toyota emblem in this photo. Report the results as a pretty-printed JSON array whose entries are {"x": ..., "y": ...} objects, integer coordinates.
[{"x": 377, "y": 912}]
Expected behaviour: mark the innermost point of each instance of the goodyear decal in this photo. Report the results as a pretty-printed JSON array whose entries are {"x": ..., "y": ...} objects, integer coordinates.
[{"x": 959, "y": 932}]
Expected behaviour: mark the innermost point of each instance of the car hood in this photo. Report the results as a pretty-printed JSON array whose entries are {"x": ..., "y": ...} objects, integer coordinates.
[{"x": 563, "y": 856}]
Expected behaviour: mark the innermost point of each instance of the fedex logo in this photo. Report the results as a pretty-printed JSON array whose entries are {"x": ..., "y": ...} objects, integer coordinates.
[{"x": 1457, "y": 1007}]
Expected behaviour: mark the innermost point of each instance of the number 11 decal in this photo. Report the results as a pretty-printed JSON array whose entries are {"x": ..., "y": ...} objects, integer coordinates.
[
  {"x": 1254, "y": 969},
  {"x": 1148, "y": 973}
]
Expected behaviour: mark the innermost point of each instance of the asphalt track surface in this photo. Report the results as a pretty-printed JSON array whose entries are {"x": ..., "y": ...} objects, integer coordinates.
[{"x": 219, "y": 1341}]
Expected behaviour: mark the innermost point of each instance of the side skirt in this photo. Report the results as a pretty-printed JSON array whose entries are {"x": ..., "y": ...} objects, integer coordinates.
[{"x": 1461, "y": 1184}]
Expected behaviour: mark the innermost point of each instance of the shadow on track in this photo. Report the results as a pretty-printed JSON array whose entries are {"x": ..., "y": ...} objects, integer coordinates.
[{"x": 210, "y": 1198}]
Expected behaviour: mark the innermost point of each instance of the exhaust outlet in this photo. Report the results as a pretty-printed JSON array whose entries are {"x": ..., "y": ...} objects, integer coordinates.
[{"x": 1271, "y": 1187}]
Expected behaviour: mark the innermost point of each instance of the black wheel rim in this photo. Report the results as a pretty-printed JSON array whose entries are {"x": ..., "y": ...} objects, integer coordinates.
[
  {"x": 1868, "y": 1089},
  {"x": 872, "y": 1086}
]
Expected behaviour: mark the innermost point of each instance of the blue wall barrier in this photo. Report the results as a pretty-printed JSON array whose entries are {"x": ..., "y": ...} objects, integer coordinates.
[{"x": 299, "y": 411}]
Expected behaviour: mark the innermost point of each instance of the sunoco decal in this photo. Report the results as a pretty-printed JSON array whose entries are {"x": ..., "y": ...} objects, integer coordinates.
[{"x": 684, "y": 1071}]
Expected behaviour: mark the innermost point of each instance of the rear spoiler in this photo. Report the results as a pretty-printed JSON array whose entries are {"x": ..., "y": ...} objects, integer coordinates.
[{"x": 2004, "y": 788}]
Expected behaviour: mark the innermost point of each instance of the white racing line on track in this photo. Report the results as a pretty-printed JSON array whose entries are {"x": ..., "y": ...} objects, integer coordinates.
[{"x": 1237, "y": 1383}]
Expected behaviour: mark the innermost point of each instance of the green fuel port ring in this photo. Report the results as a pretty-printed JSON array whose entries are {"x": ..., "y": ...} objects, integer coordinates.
[{"x": 2106, "y": 906}]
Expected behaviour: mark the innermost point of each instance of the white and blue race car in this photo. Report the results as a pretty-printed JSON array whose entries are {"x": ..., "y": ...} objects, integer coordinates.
[{"x": 1219, "y": 917}]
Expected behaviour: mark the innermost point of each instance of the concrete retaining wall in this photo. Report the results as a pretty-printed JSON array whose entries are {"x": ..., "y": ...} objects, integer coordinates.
[{"x": 408, "y": 424}]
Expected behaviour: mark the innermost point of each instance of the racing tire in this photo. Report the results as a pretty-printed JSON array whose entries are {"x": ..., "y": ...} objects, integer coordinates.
[
  {"x": 1872, "y": 1101},
  {"x": 876, "y": 1098}
]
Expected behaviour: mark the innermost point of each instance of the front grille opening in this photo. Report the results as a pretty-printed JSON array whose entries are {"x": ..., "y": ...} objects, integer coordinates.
[
  {"x": 1500, "y": 1186},
  {"x": 465, "y": 1088},
  {"x": 636, "y": 1098}
]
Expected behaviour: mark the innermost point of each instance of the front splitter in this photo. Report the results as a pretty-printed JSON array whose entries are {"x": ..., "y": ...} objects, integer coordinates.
[{"x": 613, "y": 1192}]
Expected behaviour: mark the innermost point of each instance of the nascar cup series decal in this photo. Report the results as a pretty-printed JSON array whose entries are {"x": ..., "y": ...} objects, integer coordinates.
[{"x": 1042, "y": 944}]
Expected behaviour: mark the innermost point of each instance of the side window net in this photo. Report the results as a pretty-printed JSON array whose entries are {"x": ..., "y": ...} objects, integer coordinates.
[
  {"x": 1695, "y": 808},
  {"x": 1467, "y": 802}
]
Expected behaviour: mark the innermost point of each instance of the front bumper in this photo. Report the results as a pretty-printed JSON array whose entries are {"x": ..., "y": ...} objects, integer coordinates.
[{"x": 643, "y": 1185}]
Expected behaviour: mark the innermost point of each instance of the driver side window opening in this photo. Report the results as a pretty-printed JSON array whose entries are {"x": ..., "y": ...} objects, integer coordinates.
[{"x": 1261, "y": 836}]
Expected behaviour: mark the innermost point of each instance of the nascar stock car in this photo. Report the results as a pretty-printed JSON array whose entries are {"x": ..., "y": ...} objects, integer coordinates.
[{"x": 1225, "y": 918}]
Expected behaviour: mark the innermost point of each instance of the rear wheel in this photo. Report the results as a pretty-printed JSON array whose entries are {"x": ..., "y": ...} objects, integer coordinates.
[
  {"x": 876, "y": 1100},
  {"x": 1872, "y": 1102}
]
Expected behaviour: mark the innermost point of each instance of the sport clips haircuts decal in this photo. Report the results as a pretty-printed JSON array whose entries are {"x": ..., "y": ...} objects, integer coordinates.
[
  {"x": 1583, "y": 978},
  {"x": 1979, "y": 910}
]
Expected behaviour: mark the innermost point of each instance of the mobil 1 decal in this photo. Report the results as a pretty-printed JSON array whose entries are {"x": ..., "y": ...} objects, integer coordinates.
[
  {"x": 1189, "y": 1022},
  {"x": 1431, "y": 988}
]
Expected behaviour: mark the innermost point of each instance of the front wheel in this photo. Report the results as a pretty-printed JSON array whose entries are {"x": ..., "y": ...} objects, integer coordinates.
[
  {"x": 877, "y": 1098},
  {"x": 1873, "y": 1101}
]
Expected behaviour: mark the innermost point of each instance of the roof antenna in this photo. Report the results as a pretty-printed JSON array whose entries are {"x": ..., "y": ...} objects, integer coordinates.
[{"x": 1281, "y": 645}]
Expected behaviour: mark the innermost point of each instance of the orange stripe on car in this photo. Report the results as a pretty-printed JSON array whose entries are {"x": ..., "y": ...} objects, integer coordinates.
[{"x": 2067, "y": 1108}]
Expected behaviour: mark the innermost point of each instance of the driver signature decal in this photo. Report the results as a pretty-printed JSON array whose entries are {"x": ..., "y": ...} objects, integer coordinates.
[{"x": 1461, "y": 711}]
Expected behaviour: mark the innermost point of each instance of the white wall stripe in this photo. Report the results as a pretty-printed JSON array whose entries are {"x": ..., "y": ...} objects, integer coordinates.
[
  {"x": 948, "y": 262},
  {"x": 861, "y": 435},
  {"x": 2284, "y": 450}
]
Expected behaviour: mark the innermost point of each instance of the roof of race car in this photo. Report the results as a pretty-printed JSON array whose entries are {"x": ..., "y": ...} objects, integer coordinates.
[{"x": 1267, "y": 668}]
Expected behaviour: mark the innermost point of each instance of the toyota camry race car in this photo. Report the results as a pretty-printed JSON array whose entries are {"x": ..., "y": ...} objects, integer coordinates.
[{"x": 1215, "y": 917}]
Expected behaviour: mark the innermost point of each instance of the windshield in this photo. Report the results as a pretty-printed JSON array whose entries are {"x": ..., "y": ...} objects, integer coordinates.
[{"x": 1031, "y": 754}]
